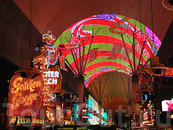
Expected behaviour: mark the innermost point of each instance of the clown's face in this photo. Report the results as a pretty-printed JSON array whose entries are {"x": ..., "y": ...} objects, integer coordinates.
[{"x": 49, "y": 41}]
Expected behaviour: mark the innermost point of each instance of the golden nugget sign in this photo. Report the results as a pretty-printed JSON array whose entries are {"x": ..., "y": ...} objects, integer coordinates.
[{"x": 24, "y": 93}]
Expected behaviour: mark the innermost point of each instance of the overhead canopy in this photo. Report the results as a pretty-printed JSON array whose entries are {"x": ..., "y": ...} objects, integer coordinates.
[
  {"x": 112, "y": 89},
  {"x": 105, "y": 33}
]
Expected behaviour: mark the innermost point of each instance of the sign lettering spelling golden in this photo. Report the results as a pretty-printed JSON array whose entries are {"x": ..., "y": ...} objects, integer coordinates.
[{"x": 24, "y": 93}]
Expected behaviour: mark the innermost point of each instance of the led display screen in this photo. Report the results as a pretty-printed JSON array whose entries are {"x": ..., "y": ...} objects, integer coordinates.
[
  {"x": 108, "y": 52},
  {"x": 105, "y": 117},
  {"x": 93, "y": 119}
]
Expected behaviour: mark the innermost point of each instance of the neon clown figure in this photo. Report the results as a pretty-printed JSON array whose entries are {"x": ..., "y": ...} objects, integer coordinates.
[{"x": 51, "y": 53}]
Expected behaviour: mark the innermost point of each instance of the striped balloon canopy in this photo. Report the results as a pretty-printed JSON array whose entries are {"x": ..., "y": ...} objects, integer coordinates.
[{"x": 106, "y": 45}]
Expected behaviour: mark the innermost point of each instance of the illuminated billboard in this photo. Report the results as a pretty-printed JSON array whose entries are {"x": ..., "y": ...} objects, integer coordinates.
[
  {"x": 52, "y": 80},
  {"x": 111, "y": 37},
  {"x": 24, "y": 95},
  {"x": 49, "y": 115},
  {"x": 167, "y": 105},
  {"x": 52, "y": 77},
  {"x": 93, "y": 104}
]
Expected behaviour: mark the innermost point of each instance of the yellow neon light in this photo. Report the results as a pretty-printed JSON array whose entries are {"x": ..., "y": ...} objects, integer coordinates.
[
  {"x": 27, "y": 85},
  {"x": 27, "y": 100}
]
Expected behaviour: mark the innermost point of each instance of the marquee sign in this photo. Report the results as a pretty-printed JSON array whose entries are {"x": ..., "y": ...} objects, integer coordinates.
[
  {"x": 24, "y": 95},
  {"x": 52, "y": 77}
]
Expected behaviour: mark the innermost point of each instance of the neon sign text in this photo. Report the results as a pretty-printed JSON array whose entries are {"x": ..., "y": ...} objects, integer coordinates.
[
  {"x": 27, "y": 100},
  {"x": 51, "y": 74},
  {"x": 52, "y": 77},
  {"x": 24, "y": 91},
  {"x": 52, "y": 81},
  {"x": 24, "y": 120},
  {"x": 27, "y": 85}
]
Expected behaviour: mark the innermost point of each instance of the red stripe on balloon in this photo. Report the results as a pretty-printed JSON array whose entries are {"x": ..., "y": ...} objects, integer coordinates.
[
  {"x": 110, "y": 23},
  {"x": 99, "y": 39}
]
